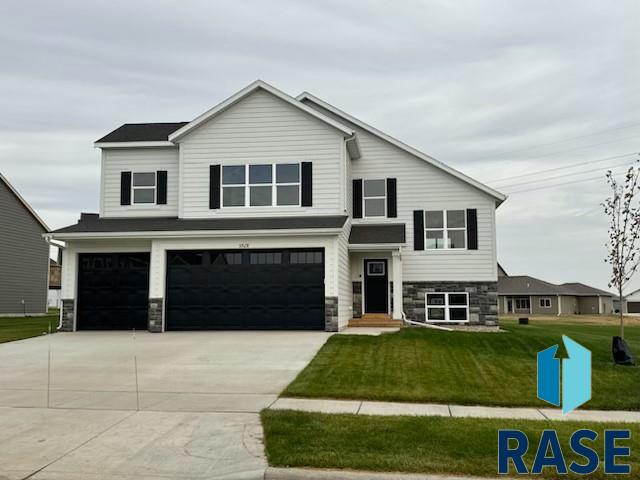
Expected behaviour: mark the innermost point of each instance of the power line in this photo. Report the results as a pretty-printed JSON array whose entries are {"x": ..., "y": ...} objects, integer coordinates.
[
  {"x": 600, "y": 132},
  {"x": 565, "y": 175},
  {"x": 562, "y": 184},
  {"x": 586, "y": 146},
  {"x": 564, "y": 167}
]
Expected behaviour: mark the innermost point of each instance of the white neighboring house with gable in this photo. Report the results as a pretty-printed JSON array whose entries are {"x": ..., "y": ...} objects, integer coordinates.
[{"x": 274, "y": 212}]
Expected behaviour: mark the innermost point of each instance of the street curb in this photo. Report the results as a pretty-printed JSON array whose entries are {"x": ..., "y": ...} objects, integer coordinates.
[{"x": 273, "y": 473}]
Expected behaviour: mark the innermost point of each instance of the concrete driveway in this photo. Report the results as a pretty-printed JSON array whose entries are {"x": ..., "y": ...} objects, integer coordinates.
[{"x": 193, "y": 415}]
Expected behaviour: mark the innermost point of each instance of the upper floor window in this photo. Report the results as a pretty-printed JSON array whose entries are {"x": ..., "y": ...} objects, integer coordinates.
[
  {"x": 445, "y": 229},
  {"x": 143, "y": 186},
  {"x": 374, "y": 198},
  {"x": 261, "y": 185}
]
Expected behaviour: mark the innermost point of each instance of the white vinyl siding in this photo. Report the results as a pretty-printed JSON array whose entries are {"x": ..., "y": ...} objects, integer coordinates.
[
  {"x": 421, "y": 186},
  {"x": 141, "y": 160},
  {"x": 262, "y": 129}
]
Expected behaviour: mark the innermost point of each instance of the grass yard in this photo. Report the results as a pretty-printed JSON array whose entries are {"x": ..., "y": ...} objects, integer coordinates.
[
  {"x": 414, "y": 444},
  {"x": 423, "y": 365},
  {"x": 18, "y": 328}
]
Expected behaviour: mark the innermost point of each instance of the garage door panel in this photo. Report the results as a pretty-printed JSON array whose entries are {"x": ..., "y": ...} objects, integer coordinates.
[
  {"x": 274, "y": 289},
  {"x": 113, "y": 291}
]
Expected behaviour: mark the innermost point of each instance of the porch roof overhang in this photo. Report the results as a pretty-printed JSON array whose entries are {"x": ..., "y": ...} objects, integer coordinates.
[{"x": 381, "y": 236}]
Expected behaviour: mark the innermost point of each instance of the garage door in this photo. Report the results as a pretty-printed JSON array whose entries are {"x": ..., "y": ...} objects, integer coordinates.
[
  {"x": 113, "y": 291},
  {"x": 633, "y": 307},
  {"x": 249, "y": 289}
]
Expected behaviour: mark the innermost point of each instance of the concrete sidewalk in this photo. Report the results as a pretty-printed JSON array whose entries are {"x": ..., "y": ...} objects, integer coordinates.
[{"x": 358, "y": 407}]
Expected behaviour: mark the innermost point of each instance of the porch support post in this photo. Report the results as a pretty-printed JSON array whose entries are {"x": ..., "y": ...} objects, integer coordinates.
[{"x": 397, "y": 285}]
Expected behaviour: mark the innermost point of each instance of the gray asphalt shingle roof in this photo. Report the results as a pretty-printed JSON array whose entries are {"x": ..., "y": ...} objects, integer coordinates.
[
  {"x": 91, "y": 223},
  {"x": 525, "y": 285},
  {"x": 142, "y": 132},
  {"x": 372, "y": 234}
]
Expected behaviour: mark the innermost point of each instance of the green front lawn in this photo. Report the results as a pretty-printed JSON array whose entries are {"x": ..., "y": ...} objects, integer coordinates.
[
  {"x": 423, "y": 365},
  {"x": 414, "y": 444},
  {"x": 18, "y": 328}
]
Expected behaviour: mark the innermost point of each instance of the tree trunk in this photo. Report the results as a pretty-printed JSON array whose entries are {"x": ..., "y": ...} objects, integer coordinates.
[{"x": 621, "y": 313}]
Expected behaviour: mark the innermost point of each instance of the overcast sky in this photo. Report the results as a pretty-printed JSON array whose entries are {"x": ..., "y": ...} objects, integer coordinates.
[{"x": 496, "y": 89}]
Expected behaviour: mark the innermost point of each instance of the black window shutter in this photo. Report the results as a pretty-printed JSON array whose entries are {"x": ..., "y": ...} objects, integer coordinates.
[
  {"x": 214, "y": 186},
  {"x": 392, "y": 208},
  {"x": 161, "y": 195},
  {"x": 307, "y": 184},
  {"x": 125, "y": 188},
  {"x": 472, "y": 229},
  {"x": 357, "y": 199},
  {"x": 418, "y": 229}
]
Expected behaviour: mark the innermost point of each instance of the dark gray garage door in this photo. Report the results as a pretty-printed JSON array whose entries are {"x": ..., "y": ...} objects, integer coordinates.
[
  {"x": 633, "y": 307},
  {"x": 247, "y": 289},
  {"x": 113, "y": 291}
]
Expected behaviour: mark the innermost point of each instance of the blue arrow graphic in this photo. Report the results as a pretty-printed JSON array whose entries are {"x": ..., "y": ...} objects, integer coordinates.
[
  {"x": 576, "y": 376},
  {"x": 549, "y": 376}
]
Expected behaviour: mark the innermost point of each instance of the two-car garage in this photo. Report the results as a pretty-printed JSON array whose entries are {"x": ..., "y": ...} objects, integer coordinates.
[{"x": 275, "y": 289}]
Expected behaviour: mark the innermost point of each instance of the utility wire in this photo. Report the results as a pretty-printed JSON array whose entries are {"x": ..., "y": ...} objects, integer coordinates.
[
  {"x": 572, "y": 165},
  {"x": 565, "y": 175},
  {"x": 600, "y": 177},
  {"x": 569, "y": 139}
]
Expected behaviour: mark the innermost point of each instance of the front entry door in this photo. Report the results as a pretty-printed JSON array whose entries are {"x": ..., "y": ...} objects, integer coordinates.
[{"x": 376, "y": 289}]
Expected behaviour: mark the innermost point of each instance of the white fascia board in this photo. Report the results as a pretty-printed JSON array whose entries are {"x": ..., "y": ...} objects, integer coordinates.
[
  {"x": 375, "y": 246},
  {"x": 24, "y": 203},
  {"x": 500, "y": 197},
  {"x": 258, "y": 84},
  {"x": 199, "y": 234},
  {"x": 162, "y": 143}
]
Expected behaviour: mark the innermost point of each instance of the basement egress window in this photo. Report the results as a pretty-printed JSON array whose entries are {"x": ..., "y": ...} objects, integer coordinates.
[
  {"x": 447, "y": 307},
  {"x": 143, "y": 186}
]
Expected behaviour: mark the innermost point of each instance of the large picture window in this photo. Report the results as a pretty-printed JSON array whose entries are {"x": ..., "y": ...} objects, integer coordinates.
[
  {"x": 523, "y": 303},
  {"x": 445, "y": 229},
  {"x": 447, "y": 307},
  {"x": 261, "y": 185},
  {"x": 143, "y": 187},
  {"x": 374, "y": 198}
]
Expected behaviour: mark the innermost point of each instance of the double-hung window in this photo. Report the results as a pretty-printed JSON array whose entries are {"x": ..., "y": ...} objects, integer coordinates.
[
  {"x": 445, "y": 229},
  {"x": 447, "y": 307},
  {"x": 374, "y": 198},
  {"x": 545, "y": 303},
  {"x": 143, "y": 187},
  {"x": 263, "y": 185}
]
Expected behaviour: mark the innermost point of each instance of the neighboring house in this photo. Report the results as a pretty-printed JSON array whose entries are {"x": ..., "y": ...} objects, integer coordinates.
[
  {"x": 274, "y": 212},
  {"x": 527, "y": 295},
  {"x": 631, "y": 302},
  {"x": 54, "y": 297},
  {"x": 24, "y": 255}
]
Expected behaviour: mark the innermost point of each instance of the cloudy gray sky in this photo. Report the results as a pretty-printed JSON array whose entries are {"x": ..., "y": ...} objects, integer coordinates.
[{"x": 496, "y": 89}]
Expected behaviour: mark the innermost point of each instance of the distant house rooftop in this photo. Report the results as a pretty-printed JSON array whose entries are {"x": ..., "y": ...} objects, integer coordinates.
[{"x": 526, "y": 285}]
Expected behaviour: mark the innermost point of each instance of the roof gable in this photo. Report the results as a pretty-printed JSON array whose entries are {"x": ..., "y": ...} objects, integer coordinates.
[
  {"x": 257, "y": 85},
  {"x": 500, "y": 197},
  {"x": 24, "y": 203}
]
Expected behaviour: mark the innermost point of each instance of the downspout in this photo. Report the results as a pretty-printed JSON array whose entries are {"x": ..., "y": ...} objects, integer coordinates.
[
  {"x": 559, "y": 305},
  {"x": 49, "y": 239}
]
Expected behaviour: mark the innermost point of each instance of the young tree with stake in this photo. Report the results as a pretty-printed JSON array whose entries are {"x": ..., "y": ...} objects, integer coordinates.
[{"x": 623, "y": 210}]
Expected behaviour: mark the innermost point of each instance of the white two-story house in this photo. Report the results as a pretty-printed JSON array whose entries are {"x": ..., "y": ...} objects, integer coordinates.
[{"x": 274, "y": 212}]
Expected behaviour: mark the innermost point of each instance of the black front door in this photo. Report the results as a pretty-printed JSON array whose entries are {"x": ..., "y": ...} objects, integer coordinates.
[{"x": 376, "y": 290}]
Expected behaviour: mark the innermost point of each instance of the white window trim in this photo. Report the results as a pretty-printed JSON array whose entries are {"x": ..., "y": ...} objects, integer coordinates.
[
  {"x": 147, "y": 187},
  {"x": 445, "y": 230},
  {"x": 544, "y": 302},
  {"x": 364, "y": 210},
  {"x": 446, "y": 307},
  {"x": 274, "y": 186}
]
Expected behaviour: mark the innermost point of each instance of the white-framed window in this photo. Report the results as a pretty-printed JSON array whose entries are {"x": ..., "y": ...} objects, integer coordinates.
[
  {"x": 261, "y": 185},
  {"x": 522, "y": 303},
  {"x": 374, "y": 198},
  {"x": 376, "y": 269},
  {"x": 445, "y": 229},
  {"x": 143, "y": 187},
  {"x": 447, "y": 306},
  {"x": 545, "y": 303}
]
